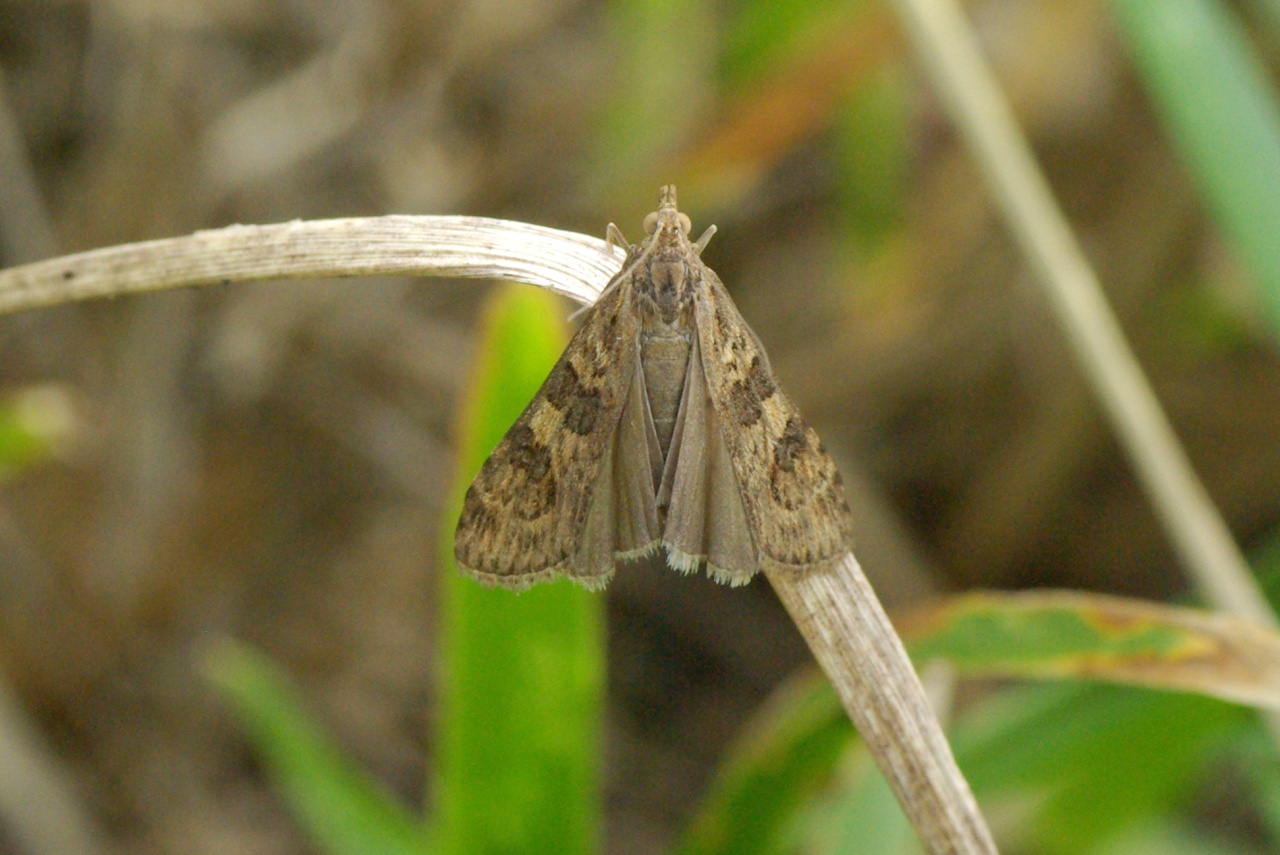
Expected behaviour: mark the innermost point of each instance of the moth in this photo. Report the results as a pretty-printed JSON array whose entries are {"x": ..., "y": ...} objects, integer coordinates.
[{"x": 661, "y": 428}]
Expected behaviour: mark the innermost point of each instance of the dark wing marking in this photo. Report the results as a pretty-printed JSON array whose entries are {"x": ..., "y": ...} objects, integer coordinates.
[
  {"x": 524, "y": 516},
  {"x": 791, "y": 490}
]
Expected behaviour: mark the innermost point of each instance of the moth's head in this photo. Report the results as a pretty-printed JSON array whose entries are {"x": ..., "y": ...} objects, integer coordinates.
[
  {"x": 667, "y": 225},
  {"x": 667, "y": 221}
]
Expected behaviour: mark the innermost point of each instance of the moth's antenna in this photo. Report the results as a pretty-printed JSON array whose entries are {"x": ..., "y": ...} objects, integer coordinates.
[
  {"x": 702, "y": 242},
  {"x": 613, "y": 237}
]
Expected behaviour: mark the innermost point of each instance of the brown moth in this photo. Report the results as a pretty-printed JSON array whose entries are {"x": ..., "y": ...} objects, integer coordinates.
[{"x": 660, "y": 428}]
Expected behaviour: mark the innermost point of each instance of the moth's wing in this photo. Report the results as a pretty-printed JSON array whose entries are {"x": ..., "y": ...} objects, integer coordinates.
[
  {"x": 635, "y": 466},
  {"x": 544, "y": 502},
  {"x": 622, "y": 518},
  {"x": 791, "y": 491},
  {"x": 706, "y": 519}
]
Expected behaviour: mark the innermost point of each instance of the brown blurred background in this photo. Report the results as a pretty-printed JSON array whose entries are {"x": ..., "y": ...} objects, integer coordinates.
[{"x": 270, "y": 461}]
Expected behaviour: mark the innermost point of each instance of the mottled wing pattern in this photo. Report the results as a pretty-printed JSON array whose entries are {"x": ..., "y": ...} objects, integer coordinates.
[
  {"x": 791, "y": 490},
  {"x": 524, "y": 515}
]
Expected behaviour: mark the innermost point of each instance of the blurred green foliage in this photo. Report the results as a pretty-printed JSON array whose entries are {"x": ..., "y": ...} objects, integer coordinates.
[
  {"x": 1222, "y": 113},
  {"x": 1070, "y": 767},
  {"x": 344, "y": 812},
  {"x": 778, "y": 766},
  {"x": 517, "y": 731},
  {"x": 32, "y": 420},
  {"x": 521, "y": 676}
]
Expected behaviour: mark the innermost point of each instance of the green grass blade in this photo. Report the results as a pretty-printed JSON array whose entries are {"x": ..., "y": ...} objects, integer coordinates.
[
  {"x": 1094, "y": 760},
  {"x": 863, "y": 817},
  {"x": 1212, "y": 92},
  {"x": 343, "y": 811},
  {"x": 521, "y": 676},
  {"x": 786, "y": 753},
  {"x": 1070, "y": 767}
]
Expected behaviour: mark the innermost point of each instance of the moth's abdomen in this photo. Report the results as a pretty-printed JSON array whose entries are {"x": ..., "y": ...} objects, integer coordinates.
[{"x": 664, "y": 355}]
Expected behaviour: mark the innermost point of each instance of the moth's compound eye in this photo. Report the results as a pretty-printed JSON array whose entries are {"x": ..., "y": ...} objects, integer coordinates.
[
  {"x": 651, "y": 222},
  {"x": 686, "y": 225}
]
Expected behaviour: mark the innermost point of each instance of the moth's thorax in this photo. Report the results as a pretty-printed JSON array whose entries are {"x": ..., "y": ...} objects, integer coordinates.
[{"x": 665, "y": 281}]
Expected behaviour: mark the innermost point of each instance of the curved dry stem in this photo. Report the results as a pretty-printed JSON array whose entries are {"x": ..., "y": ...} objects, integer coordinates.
[
  {"x": 853, "y": 641},
  {"x": 476, "y": 247}
]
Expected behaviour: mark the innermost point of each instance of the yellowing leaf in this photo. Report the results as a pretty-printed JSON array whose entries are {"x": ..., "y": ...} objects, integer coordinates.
[{"x": 1060, "y": 634}]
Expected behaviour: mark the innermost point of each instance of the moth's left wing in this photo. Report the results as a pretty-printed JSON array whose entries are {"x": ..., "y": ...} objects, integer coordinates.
[
  {"x": 791, "y": 490},
  {"x": 546, "y": 501}
]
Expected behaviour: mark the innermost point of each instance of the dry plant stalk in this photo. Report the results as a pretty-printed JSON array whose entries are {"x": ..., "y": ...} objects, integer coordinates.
[
  {"x": 948, "y": 48},
  {"x": 852, "y": 639},
  {"x": 836, "y": 610}
]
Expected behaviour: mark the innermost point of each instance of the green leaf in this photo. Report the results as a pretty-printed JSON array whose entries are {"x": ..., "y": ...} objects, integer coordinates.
[
  {"x": 1080, "y": 763},
  {"x": 663, "y": 59},
  {"x": 344, "y": 812},
  {"x": 1067, "y": 766},
  {"x": 864, "y": 817},
  {"x": 1214, "y": 96},
  {"x": 1093, "y": 760},
  {"x": 1169, "y": 836},
  {"x": 784, "y": 755},
  {"x": 521, "y": 676},
  {"x": 1255, "y": 755}
]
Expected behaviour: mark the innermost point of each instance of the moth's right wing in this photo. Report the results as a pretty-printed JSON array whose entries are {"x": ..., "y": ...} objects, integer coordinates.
[
  {"x": 791, "y": 491},
  {"x": 706, "y": 523},
  {"x": 559, "y": 494}
]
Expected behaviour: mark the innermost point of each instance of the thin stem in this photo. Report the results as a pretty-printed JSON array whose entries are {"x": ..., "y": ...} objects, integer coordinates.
[
  {"x": 571, "y": 264},
  {"x": 947, "y": 45},
  {"x": 26, "y": 230},
  {"x": 855, "y": 644}
]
